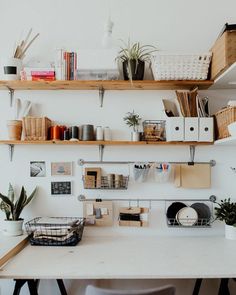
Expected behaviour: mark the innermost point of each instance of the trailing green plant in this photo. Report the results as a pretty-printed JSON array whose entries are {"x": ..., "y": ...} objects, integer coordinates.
[
  {"x": 134, "y": 51},
  {"x": 226, "y": 212},
  {"x": 11, "y": 206},
  {"x": 132, "y": 120}
]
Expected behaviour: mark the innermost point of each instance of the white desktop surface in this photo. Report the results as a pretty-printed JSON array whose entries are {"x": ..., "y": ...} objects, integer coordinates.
[{"x": 127, "y": 258}]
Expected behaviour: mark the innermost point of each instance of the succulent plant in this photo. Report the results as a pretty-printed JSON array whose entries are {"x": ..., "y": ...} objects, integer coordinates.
[{"x": 13, "y": 207}]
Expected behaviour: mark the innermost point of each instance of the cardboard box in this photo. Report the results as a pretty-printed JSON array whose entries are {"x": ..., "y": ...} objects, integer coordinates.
[{"x": 224, "y": 53}]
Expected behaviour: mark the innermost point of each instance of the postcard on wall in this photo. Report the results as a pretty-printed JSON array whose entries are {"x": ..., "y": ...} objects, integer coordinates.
[
  {"x": 61, "y": 188},
  {"x": 61, "y": 168},
  {"x": 37, "y": 169}
]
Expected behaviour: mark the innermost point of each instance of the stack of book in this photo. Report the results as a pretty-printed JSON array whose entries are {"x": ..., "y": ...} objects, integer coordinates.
[
  {"x": 38, "y": 74},
  {"x": 66, "y": 65}
]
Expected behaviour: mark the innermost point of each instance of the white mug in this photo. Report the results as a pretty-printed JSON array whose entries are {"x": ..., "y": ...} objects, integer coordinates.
[{"x": 10, "y": 68}]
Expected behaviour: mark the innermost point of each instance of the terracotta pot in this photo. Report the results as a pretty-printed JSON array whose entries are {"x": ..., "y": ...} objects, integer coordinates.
[{"x": 14, "y": 129}]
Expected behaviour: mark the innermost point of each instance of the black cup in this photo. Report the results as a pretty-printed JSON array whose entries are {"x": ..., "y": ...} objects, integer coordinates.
[
  {"x": 66, "y": 135},
  {"x": 74, "y": 132}
]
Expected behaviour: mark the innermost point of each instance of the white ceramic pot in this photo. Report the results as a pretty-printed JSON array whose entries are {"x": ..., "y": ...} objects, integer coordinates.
[
  {"x": 230, "y": 232},
  {"x": 10, "y": 68},
  {"x": 13, "y": 227},
  {"x": 135, "y": 136}
]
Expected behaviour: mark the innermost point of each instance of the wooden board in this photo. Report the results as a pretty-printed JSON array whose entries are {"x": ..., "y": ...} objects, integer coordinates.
[
  {"x": 12, "y": 252},
  {"x": 106, "y": 85},
  {"x": 114, "y": 142}
]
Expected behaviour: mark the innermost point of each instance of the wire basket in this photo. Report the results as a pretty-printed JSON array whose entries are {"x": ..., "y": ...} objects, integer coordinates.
[
  {"x": 55, "y": 231},
  {"x": 201, "y": 222},
  {"x": 111, "y": 184},
  {"x": 154, "y": 130},
  {"x": 181, "y": 67},
  {"x": 223, "y": 118}
]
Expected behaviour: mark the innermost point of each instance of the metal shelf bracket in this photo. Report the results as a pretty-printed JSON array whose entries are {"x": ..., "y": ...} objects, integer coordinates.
[
  {"x": 192, "y": 149},
  {"x": 11, "y": 151},
  {"x": 11, "y": 95},
  {"x": 101, "y": 95},
  {"x": 101, "y": 152}
]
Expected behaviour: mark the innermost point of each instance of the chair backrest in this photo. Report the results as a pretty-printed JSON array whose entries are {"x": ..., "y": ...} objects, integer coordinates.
[{"x": 166, "y": 290}]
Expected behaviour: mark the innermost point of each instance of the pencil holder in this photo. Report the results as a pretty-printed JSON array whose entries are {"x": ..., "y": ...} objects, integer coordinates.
[{"x": 10, "y": 68}]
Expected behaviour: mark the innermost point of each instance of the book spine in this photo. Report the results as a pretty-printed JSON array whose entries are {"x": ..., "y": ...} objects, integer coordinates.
[
  {"x": 75, "y": 66},
  {"x": 68, "y": 66},
  {"x": 71, "y": 65},
  {"x": 42, "y": 73}
]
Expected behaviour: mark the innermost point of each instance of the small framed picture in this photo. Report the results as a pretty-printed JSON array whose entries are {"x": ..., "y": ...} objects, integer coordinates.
[
  {"x": 61, "y": 188},
  {"x": 37, "y": 169},
  {"x": 61, "y": 168}
]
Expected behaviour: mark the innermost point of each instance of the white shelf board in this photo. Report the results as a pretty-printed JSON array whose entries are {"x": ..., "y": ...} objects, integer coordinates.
[
  {"x": 227, "y": 80},
  {"x": 226, "y": 141}
]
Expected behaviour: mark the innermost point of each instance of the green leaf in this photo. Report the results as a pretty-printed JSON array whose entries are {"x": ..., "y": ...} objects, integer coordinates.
[
  {"x": 11, "y": 195},
  {"x": 28, "y": 200},
  {"x": 19, "y": 204},
  {"x": 7, "y": 201}
]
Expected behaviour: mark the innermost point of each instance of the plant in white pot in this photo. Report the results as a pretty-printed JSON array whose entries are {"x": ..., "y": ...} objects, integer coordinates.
[
  {"x": 12, "y": 207},
  {"x": 133, "y": 120},
  {"x": 227, "y": 212}
]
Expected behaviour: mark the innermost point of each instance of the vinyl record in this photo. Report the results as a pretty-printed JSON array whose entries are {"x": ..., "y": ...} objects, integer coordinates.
[
  {"x": 187, "y": 216},
  {"x": 172, "y": 210}
]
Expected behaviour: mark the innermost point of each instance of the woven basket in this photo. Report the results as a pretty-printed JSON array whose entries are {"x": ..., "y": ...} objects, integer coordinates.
[
  {"x": 223, "y": 118},
  {"x": 181, "y": 67},
  {"x": 36, "y": 128}
]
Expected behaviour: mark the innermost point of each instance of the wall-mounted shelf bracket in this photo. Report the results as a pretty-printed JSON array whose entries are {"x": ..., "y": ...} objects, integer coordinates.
[
  {"x": 101, "y": 152},
  {"x": 192, "y": 149},
  {"x": 11, "y": 151},
  {"x": 101, "y": 95},
  {"x": 11, "y": 95}
]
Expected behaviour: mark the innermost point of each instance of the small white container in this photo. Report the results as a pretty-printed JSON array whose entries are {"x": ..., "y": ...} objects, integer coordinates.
[
  {"x": 135, "y": 136},
  {"x": 13, "y": 228},
  {"x": 230, "y": 232},
  {"x": 107, "y": 134},
  {"x": 99, "y": 133},
  {"x": 10, "y": 68}
]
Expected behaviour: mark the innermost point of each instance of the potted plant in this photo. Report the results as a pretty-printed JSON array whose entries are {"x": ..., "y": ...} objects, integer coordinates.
[
  {"x": 133, "y": 120},
  {"x": 133, "y": 57},
  {"x": 227, "y": 212},
  {"x": 12, "y": 207}
]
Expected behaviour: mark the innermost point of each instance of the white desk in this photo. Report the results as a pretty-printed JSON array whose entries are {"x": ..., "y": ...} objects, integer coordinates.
[
  {"x": 127, "y": 258},
  {"x": 10, "y": 246}
]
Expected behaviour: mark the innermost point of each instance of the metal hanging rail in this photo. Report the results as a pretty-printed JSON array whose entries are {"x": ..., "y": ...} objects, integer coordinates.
[
  {"x": 82, "y": 162},
  {"x": 82, "y": 198}
]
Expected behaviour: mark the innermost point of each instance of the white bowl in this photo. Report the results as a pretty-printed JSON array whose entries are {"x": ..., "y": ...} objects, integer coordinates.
[{"x": 232, "y": 129}]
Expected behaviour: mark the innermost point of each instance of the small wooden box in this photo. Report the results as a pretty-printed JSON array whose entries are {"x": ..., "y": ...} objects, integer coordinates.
[{"x": 224, "y": 53}]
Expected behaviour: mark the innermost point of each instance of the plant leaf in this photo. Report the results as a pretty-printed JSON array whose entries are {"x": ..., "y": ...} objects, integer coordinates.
[
  {"x": 28, "y": 200},
  {"x": 11, "y": 194},
  {"x": 19, "y": 204}
]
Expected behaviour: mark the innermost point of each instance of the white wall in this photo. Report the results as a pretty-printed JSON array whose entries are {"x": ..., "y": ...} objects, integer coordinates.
[{"x": 186, "y": 25}]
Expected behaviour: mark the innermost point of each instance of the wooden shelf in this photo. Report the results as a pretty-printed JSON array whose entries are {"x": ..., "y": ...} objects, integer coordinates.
[
  {"x": 106, "y": 85},
  {"x": 52, "y": 142}
]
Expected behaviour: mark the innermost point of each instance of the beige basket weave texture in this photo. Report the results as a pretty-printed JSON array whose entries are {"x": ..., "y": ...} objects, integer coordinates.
[
  {"x": 36, "y": 128},
  {"x": 223, "y": 118}
]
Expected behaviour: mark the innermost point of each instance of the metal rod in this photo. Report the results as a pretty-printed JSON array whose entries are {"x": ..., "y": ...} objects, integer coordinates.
[
  {"x": 81, "y": 162},
  {"x": 82, "y": 198}
]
